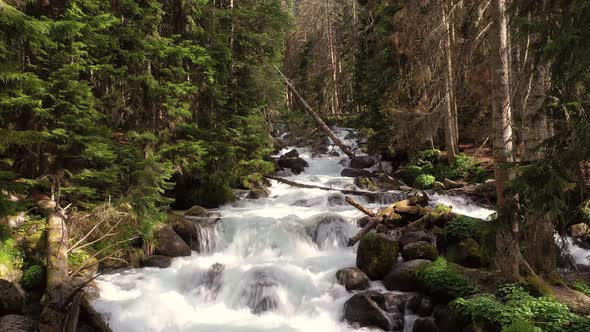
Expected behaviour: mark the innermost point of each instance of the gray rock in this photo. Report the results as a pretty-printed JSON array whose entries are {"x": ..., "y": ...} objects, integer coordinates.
[
  {"x": 296, "y": 165},
  {"x": 170, "y": 244},
  {"x": 404, "y": 276},
  {"x": 12, "y": 298},
  {"x": 362, "y": 311},
  {"x": 336, "y": 200},
  {"x": 16, "y": 323},
  {"x": 411, "y": 237},
  {"x": 419, "y": 250},
  {"x": 425, "y": 325},
  {"x": 353, "y": 278},
  {"x": 158, "y": 261},
  {"x": 361, "y": 162},
  {"x": 291, "y": 154},
  {"x": 420, "y": 305},
  {"x": 353, "y": 173},
  {"x": 256, "y": 193}
]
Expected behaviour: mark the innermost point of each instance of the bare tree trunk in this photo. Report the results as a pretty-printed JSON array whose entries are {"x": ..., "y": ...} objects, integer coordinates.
[
  {"x": 501, "y": 104},
  {"x": 507, "y": 235},
  {"x": 451, "y": 131}
]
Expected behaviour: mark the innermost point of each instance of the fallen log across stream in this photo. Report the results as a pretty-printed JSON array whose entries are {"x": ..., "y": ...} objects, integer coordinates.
[
  {"x": 321, "y": 124},
  {"x": 370, "y": 194}
]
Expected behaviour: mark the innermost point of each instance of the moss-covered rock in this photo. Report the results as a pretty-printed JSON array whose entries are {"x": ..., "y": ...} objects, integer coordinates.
[
  {"x": 419, "y": 250},
  {"x": 444, "y": 281},
  {"x": 405, "y": 276},
  {"x": 257, "y": 193},
  {"x": 255, "y": 180},
  {"x": 411, "y": 173},
  {"x": 197, "y": 211},
  {"x": 466, "y": 253},
  {"x": 366, "y": 183},
  {"x": 376, "y": 254}
]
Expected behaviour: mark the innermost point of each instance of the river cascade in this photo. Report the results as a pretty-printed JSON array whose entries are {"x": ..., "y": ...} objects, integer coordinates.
[{"x": 267, "y": 265}]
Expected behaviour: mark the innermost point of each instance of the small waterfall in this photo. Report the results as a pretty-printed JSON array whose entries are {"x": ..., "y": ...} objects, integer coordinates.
[
  {"x": 210, "y": 284},
  {"x": 208, "y": 236},
  {"x": 330, "y": 230},
  {"x": 260, "y": 292}
]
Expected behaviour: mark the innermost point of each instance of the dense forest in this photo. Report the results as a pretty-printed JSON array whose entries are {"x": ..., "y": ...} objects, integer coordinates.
[{"x": 136, "y": 131}]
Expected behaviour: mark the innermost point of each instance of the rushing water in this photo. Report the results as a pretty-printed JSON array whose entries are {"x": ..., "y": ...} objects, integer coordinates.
[{"x": 268, "y": 265}]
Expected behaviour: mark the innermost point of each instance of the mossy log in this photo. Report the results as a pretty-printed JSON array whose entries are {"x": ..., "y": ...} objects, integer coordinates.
[{"x": 387, "y": 214}]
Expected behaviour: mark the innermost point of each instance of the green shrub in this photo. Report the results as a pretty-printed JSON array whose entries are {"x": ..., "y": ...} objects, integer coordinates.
[
  {"x": 521, "y": 326},
  {"x": 444, "y": 280},
  {"x": 441, "y": 208},
  {"x": 33, "y": 277},
  {"x": 581, "y": 287},
  {"x": 410, "y": 173},
  {"x": 424, "y": 181},
  {"x": 463, "y": 227},
  {"x": 516, "y": 310},
  {"x": 11, "y": 257},
  {"x": 432, "y": 155}
]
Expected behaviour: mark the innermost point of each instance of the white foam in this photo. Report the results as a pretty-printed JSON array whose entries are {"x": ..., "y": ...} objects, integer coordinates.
[{"x": 270, "y": 235}]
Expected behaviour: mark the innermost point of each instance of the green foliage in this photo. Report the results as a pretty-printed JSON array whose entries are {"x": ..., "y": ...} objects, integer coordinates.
[
  {"x": 127, "y": 101},
  {"x": 463, "y": 227},
  {"x": 514, "y": 307},
  {"x": 11, "y": 258},
  {"x": 441, "y": 208},
  {"x": 464, "y": 167},
  {"x": 33, "y": 277},
  {"x": 581, "y": 287},
  {"x": 444, "y": 279},
  {"x": 424, "y": 181},
  {"x": 432, "y": 155},
  {"x": 411, "y": 173}
]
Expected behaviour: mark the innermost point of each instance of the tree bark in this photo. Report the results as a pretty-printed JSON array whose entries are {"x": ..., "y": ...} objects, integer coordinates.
[
  {"x": 370, "y": 194},
  {"x": 508, "y": 252},
  {"x": 451, "y": 132},
  {"x": 321, "y": 124}
]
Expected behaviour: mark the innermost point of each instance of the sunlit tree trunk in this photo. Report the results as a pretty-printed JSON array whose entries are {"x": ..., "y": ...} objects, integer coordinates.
[
  {"x": 451, "y": 130},
  {"x": 508, "y": 253}
]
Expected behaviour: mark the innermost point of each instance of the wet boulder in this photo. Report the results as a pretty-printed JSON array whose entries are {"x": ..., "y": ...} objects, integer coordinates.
[
  {"x": 419, "y": 250},
  {"x": 291, "y": 154},
  {"x": 386, "y": 182},
  {"x": 169, "y": 243},
  {"x": 376, "y": 254},
  {"x": 197, "y": 211},
  {"x": 447, "y": 320},
  {"x": 362, "y": 311},
  {"x": 210, "y": 285},
  {"x": 353, "y": 173},
  {"x": 361, "y": 162},
  {"x": 295, "y": 164},
  {"x": 158, "y": 261},
  {"x": 405, "y": 276},
  {"x": 329, "y": 230},
  {"x": 416, "y": 236},
  {"x": 353, "y": 278},
  {"x": 467, "y": 253},
  {"x": 260, "y": 291},
  {"x": 16, "y": 323},
  {"x": 336, "y": 200},
  {"x": 257, "y": 193},
  {"x": 12, "y": 298},
  {"x": 420, "y": 305},
  {"x": 425, "y": 325}
]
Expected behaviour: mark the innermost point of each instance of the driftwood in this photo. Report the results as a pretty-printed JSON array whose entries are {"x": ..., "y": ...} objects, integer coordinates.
[
  {"x": 389, "y": 213},
  {"x": 93, "y": 317},
  {"x": 74, "y": 313},
  {"x": 321, "y": 124},
  {"x": 370, "y": 194}
]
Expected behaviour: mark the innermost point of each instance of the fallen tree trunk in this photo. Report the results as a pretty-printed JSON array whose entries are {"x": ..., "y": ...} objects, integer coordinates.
[
  {"x": 370, "y": 194},
  {"x": 321, "y": 124},
  {"x": 389, "y": 213}
]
